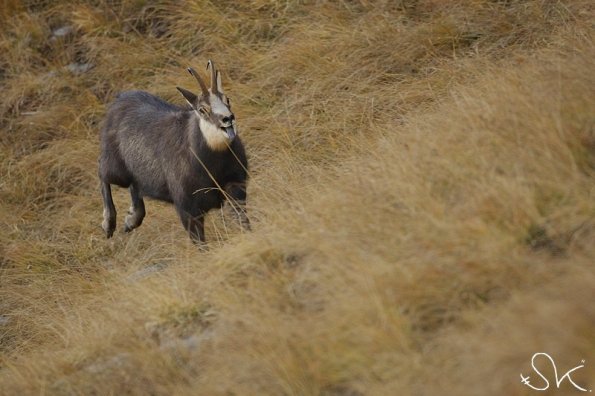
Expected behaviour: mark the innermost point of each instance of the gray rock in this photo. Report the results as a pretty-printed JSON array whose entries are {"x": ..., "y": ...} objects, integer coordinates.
[
  {"x": 79, "y": 68},
  {"x": 190, "y": 343},
  {"x": 62, "y": 31},
  {"x": 117, "y": 361},
  {"x": 4, "y": 320},
  {"x": 147, "y": 271}
]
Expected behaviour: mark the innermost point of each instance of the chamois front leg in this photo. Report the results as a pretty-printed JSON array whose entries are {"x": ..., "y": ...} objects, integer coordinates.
[
  {"x": 193, "y": 221},
  {"x": 236, "y": 196}
]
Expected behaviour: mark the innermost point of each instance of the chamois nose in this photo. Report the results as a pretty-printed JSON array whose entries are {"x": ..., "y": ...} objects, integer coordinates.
[
  {"x": 226, "y": 120},
  {"x": 230, "y": 131}
]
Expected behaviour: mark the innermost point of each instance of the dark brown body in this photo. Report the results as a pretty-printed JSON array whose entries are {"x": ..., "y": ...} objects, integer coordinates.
[{"x": 157, "y": 150}]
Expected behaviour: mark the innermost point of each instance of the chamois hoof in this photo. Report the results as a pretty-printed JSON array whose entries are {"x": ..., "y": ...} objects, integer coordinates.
[
  {"x": 108, "y": 228},
  {"x": 133, "y": 220}
]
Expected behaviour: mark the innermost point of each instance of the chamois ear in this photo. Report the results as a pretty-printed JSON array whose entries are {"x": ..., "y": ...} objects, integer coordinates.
[
  {"x": 219, "y": 85},
  {"x": 191, "y": 98}
]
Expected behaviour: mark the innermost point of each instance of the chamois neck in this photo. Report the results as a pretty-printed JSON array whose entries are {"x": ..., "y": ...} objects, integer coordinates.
[{"x": 203, "y": 134}]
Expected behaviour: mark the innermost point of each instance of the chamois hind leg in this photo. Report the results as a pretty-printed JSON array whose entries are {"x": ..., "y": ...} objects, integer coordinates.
[
  {"x": 194, "y": 223},
  {"x": 109, "y": 210},
  {"x": 136, "y": 213}
]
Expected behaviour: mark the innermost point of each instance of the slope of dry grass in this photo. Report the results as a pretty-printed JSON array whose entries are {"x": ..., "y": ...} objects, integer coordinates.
[{"x": 421, "y": 193}]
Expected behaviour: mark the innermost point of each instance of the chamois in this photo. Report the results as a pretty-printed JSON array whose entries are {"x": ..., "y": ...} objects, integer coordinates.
[{"x": 191, "y": 157}]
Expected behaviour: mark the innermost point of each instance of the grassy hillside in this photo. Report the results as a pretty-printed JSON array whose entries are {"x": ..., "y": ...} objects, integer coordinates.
[{"x": 422, "y": 198}]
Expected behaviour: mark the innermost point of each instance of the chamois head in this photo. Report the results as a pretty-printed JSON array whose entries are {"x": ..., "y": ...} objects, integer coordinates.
[{"x": 213, "y": 110}]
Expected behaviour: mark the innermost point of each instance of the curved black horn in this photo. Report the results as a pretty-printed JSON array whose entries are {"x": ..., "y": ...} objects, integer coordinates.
[
  {"x": 211, "y": 65},
  {"x": 203, "y": 86}
]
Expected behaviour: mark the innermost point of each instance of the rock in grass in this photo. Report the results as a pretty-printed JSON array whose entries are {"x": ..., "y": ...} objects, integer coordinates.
[
  {"x": 147, "y": 271},
  {"x": 79, "y": 68},
  {"x": 62, "y": 31}
]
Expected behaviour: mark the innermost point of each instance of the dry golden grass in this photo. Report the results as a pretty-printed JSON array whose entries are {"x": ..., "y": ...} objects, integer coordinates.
[{"x": 421, "y": 193}]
